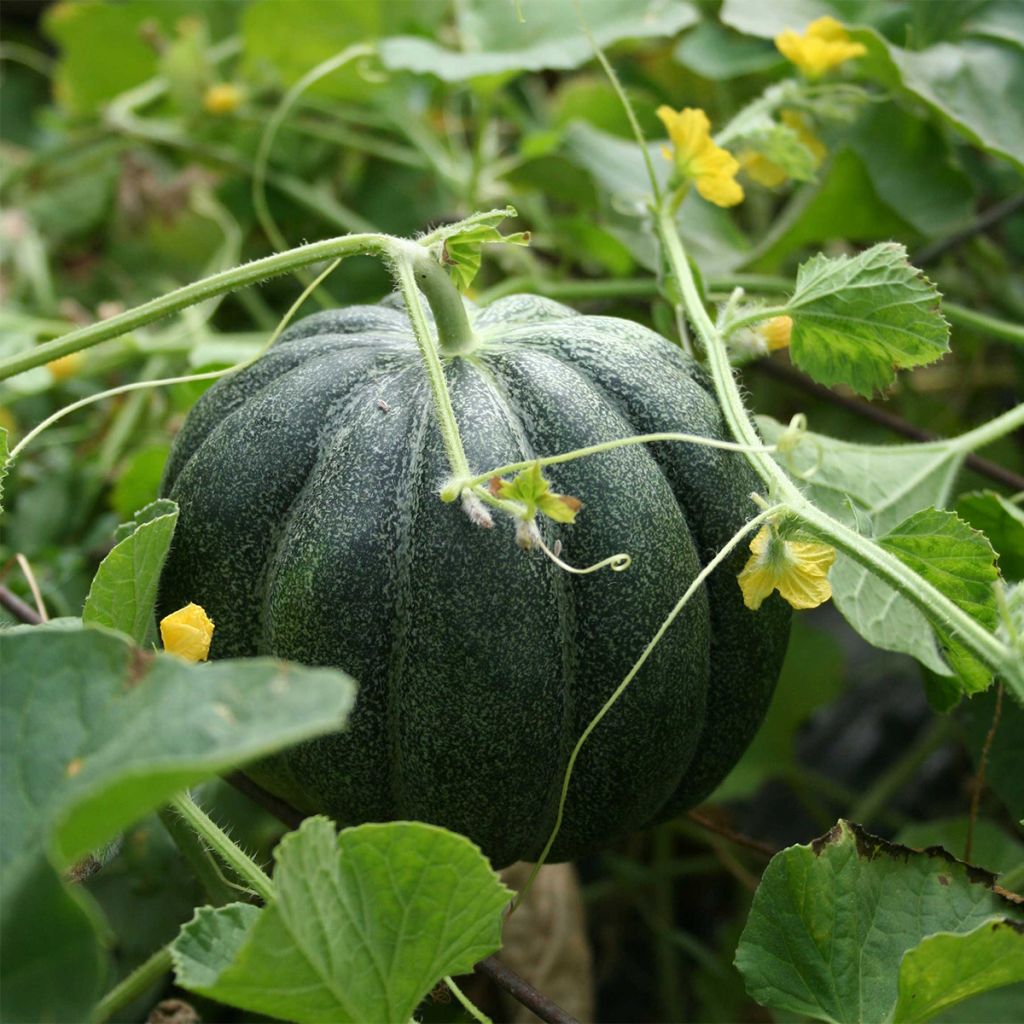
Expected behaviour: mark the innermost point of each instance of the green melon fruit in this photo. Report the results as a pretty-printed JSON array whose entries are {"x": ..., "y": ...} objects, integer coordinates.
[{"x": 311, "y": 529}]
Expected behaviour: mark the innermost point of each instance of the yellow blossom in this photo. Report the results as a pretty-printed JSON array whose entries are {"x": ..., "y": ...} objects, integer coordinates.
[
  {"x": 776, "y": 332},
  {"x": 65, "y": 366},
  {"x": 825, "y": 44},
  {"x": 698, "y": 159},
  {"x": 797, "y": 569},
  {"x": 187, "y": 633},
  {"x": 222, "y": 98}
]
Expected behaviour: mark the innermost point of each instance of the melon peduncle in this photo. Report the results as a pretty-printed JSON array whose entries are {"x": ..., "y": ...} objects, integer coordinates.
[{"x": 455, "y": 336}]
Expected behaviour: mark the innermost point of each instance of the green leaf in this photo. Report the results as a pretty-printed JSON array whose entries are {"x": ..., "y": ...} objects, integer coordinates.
[
  {"x": 139, "y": 482},
  {"x": 1003, "y": 524},
  {"x": 54, "y": 966},
  {"x": 712, "y": 238},
  {"x": 284, "y": 39},
  {"x": 872, "y": 488},
  {"x": 496, "y": 41},
  {"x": 993, "y": 847},
  {"x": 324, "y": 951},
  {"x": 857, "y": 319},
  {"x": 123, "y": 592},
  {"x": 831, "y": 922},
  {"x": 97, "y": 732},
  {"x": 715, "y": 53},
  {"x": 463, "y": 250},
  {"x": 965, "y": 82},
  {"x": 945, "y": 969},
  {"x": 530, "y": 487},
  {"x": 960, "y": 563},
  {"x": 934, "y": 203},
  {"x": 841, "y": 205}
]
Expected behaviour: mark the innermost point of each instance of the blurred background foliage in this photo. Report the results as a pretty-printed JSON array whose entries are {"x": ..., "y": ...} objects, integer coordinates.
[{"x": 129, "y": 134}]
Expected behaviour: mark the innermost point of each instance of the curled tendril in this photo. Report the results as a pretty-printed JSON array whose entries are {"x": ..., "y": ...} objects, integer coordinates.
[
  {"x": 370, "y": 74},
  {"x": 617, "y": 563},
  {"x": 791, "y": 439}
]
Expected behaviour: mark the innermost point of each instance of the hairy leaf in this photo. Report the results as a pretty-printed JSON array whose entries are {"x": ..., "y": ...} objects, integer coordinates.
[
  {"x": 363, "y": 925},
  {"x": 831, "y": 922},
  {"x": 858, "y": 319},
  {"x": 123, "y": 592},
  {"x": 958, "y": 561},
  {"x": 96, "y": 732}
]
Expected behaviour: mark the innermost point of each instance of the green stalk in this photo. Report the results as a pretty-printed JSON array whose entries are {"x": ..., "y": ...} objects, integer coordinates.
[
  {"x": 138, "y": 982},
  {"x": 222, "y": 845},
  {"x": 935, "y": 605},
  {"x": 190, "y": 295},
  {"x": 408, "y": 280},
  {"x": 190, "y": 846}
]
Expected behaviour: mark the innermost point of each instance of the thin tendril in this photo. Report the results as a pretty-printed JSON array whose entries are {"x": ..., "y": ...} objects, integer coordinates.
[
  {"x": 470, "y": 1007},
  {"x": 617, "y": 563},
  {"x": 452, "y": 490},
  {"x": 697, "y": 583},
  {"x": 167, "y": 381}
]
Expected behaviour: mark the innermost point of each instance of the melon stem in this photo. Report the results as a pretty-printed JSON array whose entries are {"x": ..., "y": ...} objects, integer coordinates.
[{"x": 455, "y": 336}]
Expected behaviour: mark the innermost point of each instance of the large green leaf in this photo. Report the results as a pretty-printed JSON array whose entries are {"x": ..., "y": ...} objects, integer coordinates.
[
  {"x": 496, "y": 40},
  {"x": 872, "y": 488},
  {"x": 50, "y": 931},
  {"x": 97, "y": 732},
  {"x": 363, "y": 925},
  {"x": 832, "y": 921},
  {"x": 123, "y": 592},
  {"x": 913, "y": 173},
  {"x": 1003, "y": 524},
  {"x": 856, "y": 320},
  {"x": 960, "y": 563},
  {"x": 948, "y": 968}
]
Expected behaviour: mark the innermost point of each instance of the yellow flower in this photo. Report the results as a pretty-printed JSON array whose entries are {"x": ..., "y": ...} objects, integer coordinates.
[
  {"x": 699, "y": 159},
  {"x": 222, "y": 98},
  {"x": 824, "y": 45},
  {"x": 797, "y": 569},
  {"x": 187, "y": 633},
  {"x": 776, "y": 332}
]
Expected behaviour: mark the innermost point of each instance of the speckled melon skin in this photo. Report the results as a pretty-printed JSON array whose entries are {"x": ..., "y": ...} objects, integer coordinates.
[{"x": 311, "y": 529}]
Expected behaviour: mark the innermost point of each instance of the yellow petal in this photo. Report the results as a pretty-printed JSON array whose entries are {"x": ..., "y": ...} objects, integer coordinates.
[
  {"x": 187, "y": 633},
  {"x": 720, "y": 190},
  {"x": 797, "y": 569},
  {"x": 776, "y": 332},
  {"x": 825, "y": 44}
]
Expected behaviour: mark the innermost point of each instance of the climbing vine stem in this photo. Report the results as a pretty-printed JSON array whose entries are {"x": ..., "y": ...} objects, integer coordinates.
[
  {"x": 683, "y": 601},
  {"x": 936, "y": 606}
]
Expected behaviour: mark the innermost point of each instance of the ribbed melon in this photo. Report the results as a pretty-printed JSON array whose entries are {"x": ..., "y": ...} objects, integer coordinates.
[{"x": 311, "y": 529}]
